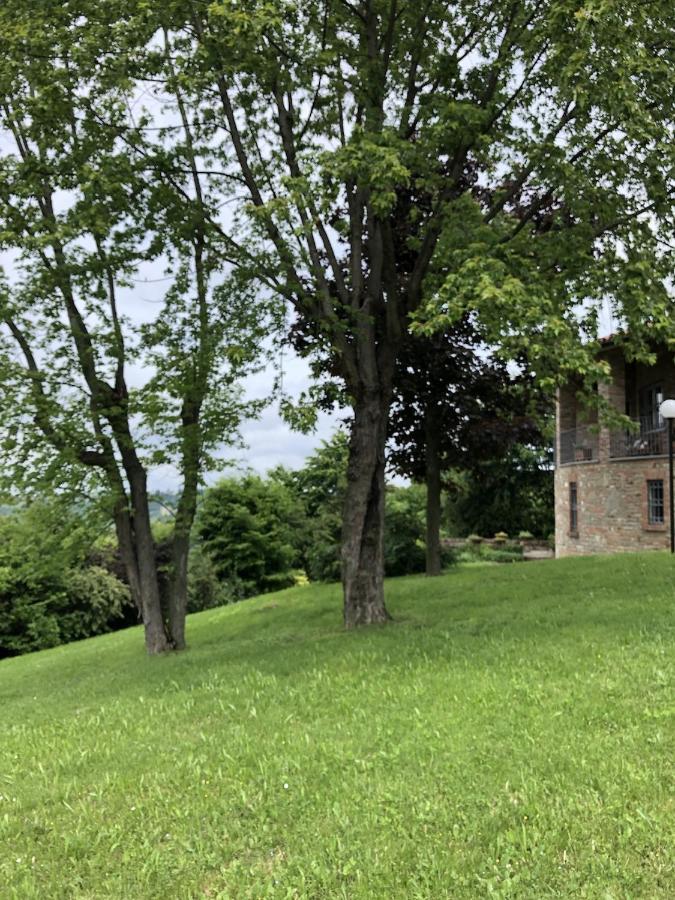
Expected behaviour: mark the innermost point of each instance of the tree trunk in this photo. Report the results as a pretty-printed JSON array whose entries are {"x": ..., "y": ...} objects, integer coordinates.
[
  {"x": 363, "y": 519},
  {"x": 187, "y": 506},
  {"x": 125, "y": 542},
  {"x": 433, "y": 483},
  {"x": 180, "y": 554},
  {"x": 178, "y": 591},
  {"x": 141, "y": 564}
]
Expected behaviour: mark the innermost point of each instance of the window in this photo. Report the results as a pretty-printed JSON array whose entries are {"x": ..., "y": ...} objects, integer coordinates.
[
  {"x": 650, "y": 399},
  {"x": 574, "y": 508},
  {"x": 655, "y": 502}
]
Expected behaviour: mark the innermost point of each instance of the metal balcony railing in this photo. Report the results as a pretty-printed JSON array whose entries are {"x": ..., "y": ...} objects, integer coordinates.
[
  {"x": 651, "y": 439},
  {"x": 579, "y": 444}
]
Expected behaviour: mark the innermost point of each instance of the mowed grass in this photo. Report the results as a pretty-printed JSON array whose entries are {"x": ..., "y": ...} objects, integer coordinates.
[{"x": 511, "y": 734}]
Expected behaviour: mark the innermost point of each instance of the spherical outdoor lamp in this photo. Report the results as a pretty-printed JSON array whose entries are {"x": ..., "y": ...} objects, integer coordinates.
[{"x": 667, "y": 411}]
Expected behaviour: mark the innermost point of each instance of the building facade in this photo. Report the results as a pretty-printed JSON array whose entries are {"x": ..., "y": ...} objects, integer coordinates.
[{"x": 611, "y": 485}]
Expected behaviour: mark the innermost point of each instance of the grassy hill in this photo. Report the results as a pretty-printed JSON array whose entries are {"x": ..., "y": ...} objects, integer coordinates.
[{"x": 510, "y": 735}]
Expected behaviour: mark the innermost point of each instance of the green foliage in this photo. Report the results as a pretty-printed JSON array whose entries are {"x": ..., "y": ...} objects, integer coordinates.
[
  {"x": 509, "y": 737},
  {"x": 319, "y": 492},
  {"x": 482, "y": 552},
  {"x": 319, "y": 488},
  {"x": 404, "y": 530},
  {"x": 205, "y": 589},
  {"x": 511, "y": 493},
  {"x": 48, "y": 595},
  {"x": 28, "y": 612},
  {"x": 94, "y": 600},
  {"x": 246, "y": 527},
  {"x": 254, "y": 531}
]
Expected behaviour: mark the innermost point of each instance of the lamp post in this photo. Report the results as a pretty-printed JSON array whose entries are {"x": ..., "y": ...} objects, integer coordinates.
[{"x": 667, "y": 411}]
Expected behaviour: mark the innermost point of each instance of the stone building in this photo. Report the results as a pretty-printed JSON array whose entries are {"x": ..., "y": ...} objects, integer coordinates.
[{"x": 611, "y": 485}]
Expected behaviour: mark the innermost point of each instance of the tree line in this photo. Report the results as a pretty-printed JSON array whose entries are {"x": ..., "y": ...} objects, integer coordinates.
[{"x": 353, "y": 177}]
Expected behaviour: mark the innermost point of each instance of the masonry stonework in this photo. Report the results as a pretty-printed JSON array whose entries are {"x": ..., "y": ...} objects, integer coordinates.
[{"x": 611, "y": 507}]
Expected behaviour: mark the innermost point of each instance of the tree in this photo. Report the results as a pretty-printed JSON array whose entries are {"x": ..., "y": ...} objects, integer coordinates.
[
  {"x": 520, "y": 150},
  {"x": 455, "y": 406},
  {"x": 86, "y": 203},
  {"x": 319, "y": 490}
]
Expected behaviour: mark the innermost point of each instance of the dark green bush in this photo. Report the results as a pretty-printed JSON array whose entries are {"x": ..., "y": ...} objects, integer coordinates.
[
  {"x": 513, "y": 493},
  {"x": 509, "y": 551},
  {"x": 319, "y": 492},
  {"x": 205, "y": 589},
  {"x": 94, "y": 602}
]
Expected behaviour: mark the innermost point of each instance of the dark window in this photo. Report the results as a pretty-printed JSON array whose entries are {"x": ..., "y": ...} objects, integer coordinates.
[
  {"x": 655, "y": 504},
  {"x": 574, "y": 508}
]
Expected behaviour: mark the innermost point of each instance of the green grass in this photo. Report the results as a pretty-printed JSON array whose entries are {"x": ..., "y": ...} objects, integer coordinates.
[{"x": 510, "y": 735}]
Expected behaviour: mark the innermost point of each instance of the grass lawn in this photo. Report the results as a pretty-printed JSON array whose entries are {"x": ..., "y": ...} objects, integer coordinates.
[{"x": 512, "y": 734}]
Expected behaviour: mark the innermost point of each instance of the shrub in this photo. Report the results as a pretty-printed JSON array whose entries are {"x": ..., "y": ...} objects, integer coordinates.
[
  {"x": 43, "y": 612},
  {"x": 48, "y": 595},
  {"x": 319, "y": 492},
  {"x": 94, "y": 601},
  {"x": 404, "y": 551},
  {"x": 501, "y": 556},
  {"x": 246, "y": 527},
  {"x": 27, "y": 619},
  {"x": 322, "y": 553},
  {"x": 205, "y": 589},
  {"x": 513, "y": 493}
]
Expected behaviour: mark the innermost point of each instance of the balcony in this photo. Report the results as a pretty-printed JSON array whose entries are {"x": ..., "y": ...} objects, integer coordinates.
[
  {"x": 649, "y": 439},
  {"x": 579, "y": 444}
]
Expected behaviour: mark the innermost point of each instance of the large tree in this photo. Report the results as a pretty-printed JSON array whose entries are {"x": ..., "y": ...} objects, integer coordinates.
[
  {"x": 98, "y": 385},
  {"x": 526, "y": 145}
]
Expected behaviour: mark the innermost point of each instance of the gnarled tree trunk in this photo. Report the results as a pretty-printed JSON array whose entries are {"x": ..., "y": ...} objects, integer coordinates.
[
  {"x": 137, "y": 550},
  {"x": 363, "y": 519}
]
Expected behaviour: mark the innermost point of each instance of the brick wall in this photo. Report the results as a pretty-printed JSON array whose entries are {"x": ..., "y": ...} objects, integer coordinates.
[
  {"x": 612, "y": 507},
  {"x": 612, "y": 493}
]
